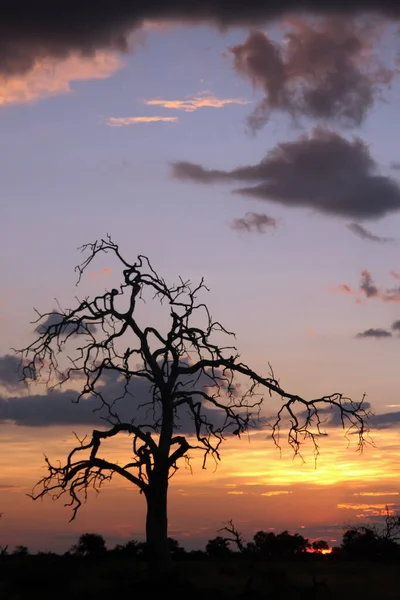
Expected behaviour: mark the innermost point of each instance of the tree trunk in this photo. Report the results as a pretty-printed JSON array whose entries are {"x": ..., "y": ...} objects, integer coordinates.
[{"x": 157, "y": 527}]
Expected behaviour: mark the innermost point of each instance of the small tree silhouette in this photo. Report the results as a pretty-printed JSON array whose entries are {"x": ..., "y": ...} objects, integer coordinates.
[
  {"x": 187, "y": 371},
  {"x": 320, "y": 545},
  {"x": 218, "y": 547},
  {"x": 90, "y": 544}
]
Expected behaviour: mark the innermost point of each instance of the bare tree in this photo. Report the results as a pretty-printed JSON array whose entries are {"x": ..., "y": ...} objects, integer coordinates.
[
  {"x": 236, "y": 538},
  {"x": 186, "y": 369}
]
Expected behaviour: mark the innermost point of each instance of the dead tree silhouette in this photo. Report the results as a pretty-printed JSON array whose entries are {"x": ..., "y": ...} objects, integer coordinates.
[{"x": 187, "y": 370}]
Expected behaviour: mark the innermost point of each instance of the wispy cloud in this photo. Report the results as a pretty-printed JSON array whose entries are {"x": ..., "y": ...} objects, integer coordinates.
[
  {"x": 254, "y": 222},
  {"x": 52, "y": 77},
  {"x": 275, "y": 493},
  {"x": 104, "y": 272},
  {"x": 126, "y": 121},
  {"x": 376, "y": 494},
  {"x": 351, "y": 506},
  {"x": 365, "y": 234},
  {"x": 374, "y": 333},
  {"x": 194, "y": 102},
  {"x": 369, "y": 290}
]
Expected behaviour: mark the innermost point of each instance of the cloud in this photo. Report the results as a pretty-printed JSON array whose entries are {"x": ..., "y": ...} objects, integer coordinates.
[
  {"x": 386, "y": 420},
  {"x": 367, "y": 284},
  {"x": 10, "y": 377},
  {"x": 395, "y": 274},
  {"x": 33, "y": 30},
  {"x": 254, "y": 222},
  {"x": 49, "y": 77},
  {"x": 104, "y": 272},
  {"x": 367, "y": 235},
  {"x": 375, "y": 421},
  {"x": 374, "y": 333},
  {"x": 60, "y": 407},
  {"x": 322, "y": 171},
  {"x": 343, "y": 288},
  {"x": 276, "y": 493},
  {"x": 369, "y": 290},
  {"x": 319, "y": 70},
  {"x": 125, "y": 121},
  {"x": 365, "y": 507},
  {"x": 396, "y": 326},
  {"x": 376, "y": 494},
  {"x": 55, "y": 318},
  {"x": 195, "y": 102}
]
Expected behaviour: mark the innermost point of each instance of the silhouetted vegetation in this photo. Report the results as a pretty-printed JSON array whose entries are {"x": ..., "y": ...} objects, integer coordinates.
[
  {"x": 281, "y": 565},
  {"x": 185, "y": 370}
]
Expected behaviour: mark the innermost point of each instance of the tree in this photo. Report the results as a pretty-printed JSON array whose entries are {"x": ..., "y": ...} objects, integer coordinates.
[
  {"x": 281, "y": 546},
  {"x": 373, "y": 542},
  {"x": 90, "y": 544},
  {"x": 21, "y": 551},
  {"x": 218, "y": 547},
  {"x": 187, "y": 371},
  {"x": 236, "y": 538},
  {"x": 320, "y": 545}
]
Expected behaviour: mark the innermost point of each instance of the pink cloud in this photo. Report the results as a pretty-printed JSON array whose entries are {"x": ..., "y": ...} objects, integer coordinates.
[
  {"x": 52, "y": 77},
  {"x": 368, "y": 290},
  {"x": 104, "y": 272}
]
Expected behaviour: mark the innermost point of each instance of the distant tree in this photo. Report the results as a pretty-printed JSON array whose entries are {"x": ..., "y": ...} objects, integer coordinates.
[
  {"x": 290, "y": 546},
  {"x": 187, "y": 370},
  {"x": 131, "y": 548},
  {"x": 391, "y": 527},
  {"x": 265, "y": 544},
  {"x": 236, "y": 536},
  {"x": 21, "y": 551},
  {"x": 90, "y": 544},
  {"x": 281, "y": 546},
  {"x": 218, "y": 547},
  {"x": 320, "y": 545},
  {"x": 175, "y": 548},
  {"x": 369, "y": 543}
]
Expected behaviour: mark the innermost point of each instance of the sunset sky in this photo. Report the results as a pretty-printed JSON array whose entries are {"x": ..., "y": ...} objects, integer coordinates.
[{"x": 263, "y": 155}]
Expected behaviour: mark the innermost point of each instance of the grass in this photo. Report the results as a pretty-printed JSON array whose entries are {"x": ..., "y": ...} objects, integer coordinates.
[{"x": 60, "y": 577}]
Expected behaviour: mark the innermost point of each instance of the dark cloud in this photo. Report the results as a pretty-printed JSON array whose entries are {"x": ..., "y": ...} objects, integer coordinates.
[
  {"x": 319, "y": 70},
  {"x": 33, "y": 30},
  {"x": 58, "y": 407},
  {"x": 386, "y": 420},
  {"x": 364, "y": 234},
  {"x": 367, "y": 284},
  {"x": 374, "y": 333},
  {"x": 396, "y": 326},
  {"x": 10, "y": 376},
  {"x": 395, "y": 166},
  {"x": 323, "y": 171},
  {"x": 69, "y": 328},
  {"x": 331, "y": 418},
  {"x": 254, "y": 222}
]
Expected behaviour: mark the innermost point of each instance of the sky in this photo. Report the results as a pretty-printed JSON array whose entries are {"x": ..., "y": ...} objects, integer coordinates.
[{"x": 257, "y": 149}]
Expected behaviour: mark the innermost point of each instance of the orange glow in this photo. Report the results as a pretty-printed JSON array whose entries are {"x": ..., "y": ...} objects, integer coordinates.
[
  {"x": 194, "y": 102},
  {"x": 326, "y": 551},
  {"x": 283, "y": 493},
  {"x": 51, "y": 77}
]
